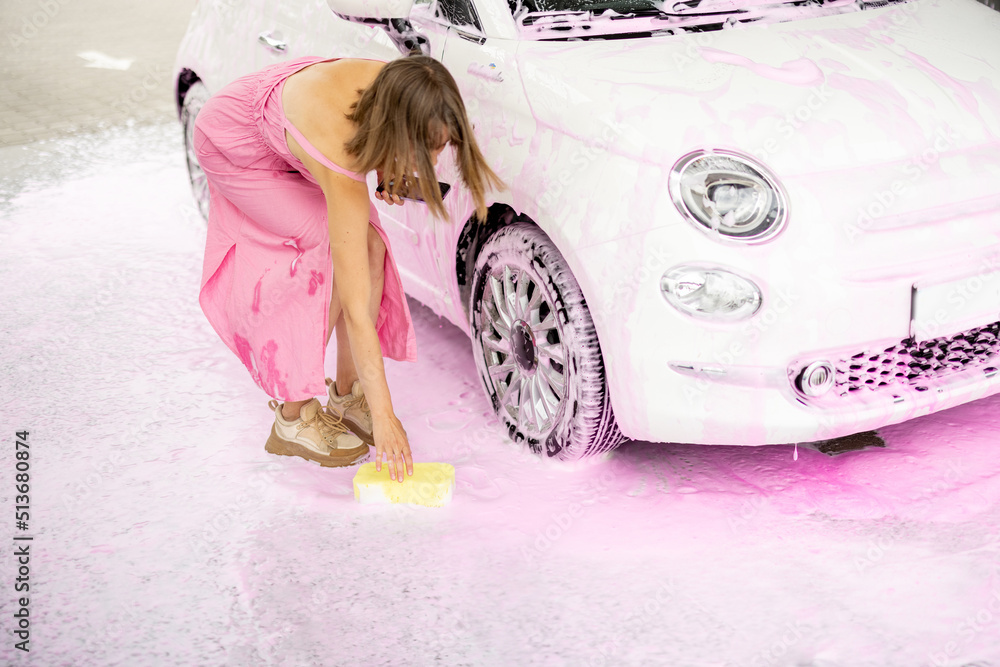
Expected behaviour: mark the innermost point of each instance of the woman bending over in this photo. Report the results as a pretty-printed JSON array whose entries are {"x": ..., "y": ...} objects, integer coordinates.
[{"x": 295, "y": 250}]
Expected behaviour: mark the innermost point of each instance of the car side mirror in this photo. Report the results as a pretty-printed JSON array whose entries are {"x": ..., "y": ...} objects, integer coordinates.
[{"x": 391, "y": 15}]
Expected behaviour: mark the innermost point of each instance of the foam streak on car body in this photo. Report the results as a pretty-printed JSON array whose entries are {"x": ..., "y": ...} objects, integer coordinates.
[
  {"x": 891, "y": 113},
  {"x": 800, "y": 72}
]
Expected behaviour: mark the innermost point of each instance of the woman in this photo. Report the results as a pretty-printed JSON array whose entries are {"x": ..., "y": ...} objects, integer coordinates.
[{"x": 295, "y": 248}]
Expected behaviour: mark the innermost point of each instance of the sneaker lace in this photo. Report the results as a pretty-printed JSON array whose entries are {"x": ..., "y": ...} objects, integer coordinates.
[
  {"x": 359, "y": 401},
  {"x": 329, "y": 426}
]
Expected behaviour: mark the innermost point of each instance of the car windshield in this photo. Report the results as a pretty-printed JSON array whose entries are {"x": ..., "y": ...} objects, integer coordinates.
[
  {"x": 685, "y": 7},
  {"x": 598, "y": 18}
]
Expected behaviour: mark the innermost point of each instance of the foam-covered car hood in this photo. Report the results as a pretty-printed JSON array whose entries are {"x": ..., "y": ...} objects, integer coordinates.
[{"x": 814, "y": 95}]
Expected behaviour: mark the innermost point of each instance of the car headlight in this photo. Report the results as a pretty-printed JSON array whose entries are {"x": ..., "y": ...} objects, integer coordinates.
[
  {"x": 709, "y": 292},
  {"x": 728, "y": 194}
]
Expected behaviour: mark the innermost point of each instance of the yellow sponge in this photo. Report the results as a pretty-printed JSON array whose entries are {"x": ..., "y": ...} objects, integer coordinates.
[{"x": 432, "y": 484}]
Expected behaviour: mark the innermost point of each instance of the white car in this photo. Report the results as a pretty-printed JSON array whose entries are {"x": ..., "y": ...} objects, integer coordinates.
[{"x": 728, "y": 222}]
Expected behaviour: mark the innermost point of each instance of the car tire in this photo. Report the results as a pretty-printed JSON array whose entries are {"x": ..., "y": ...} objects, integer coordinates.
[
  {"x": 194, "y": 100},
  {"x": 536, "y": 347}
]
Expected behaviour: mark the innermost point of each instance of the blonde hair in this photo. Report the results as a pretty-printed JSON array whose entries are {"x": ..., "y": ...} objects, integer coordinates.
[{"x": 402, "y": 116}]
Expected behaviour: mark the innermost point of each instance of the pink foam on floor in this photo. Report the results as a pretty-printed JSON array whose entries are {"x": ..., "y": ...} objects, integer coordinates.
[{"x": 221, "y": 554}]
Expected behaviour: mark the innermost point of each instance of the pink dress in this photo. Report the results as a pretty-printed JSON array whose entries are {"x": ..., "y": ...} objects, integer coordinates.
[{"x": 267, "y": 278}]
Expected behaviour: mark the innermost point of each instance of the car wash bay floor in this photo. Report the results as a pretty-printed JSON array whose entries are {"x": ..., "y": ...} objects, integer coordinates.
[{"x": 163, "y": 534}]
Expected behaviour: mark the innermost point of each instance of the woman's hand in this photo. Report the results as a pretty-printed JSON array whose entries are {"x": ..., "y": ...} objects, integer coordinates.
[
  {"x": 391, "y": 441},
  {"x": 385, "y": 196},
  {"x": 388, "y": 198}
]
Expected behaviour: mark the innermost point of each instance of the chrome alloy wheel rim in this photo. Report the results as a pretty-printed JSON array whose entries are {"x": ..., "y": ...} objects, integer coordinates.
[
  {"x": 522, "y": 346},
  {"x": 199, "y": 182}
]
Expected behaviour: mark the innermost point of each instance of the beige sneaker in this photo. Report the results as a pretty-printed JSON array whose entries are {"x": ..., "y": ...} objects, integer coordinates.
[
  {"x": 315, "y": 436},
  {"x": 352, "y": 409}
]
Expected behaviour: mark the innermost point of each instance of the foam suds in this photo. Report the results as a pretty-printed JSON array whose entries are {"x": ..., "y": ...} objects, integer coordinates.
[{"x": 162, "y": 527}]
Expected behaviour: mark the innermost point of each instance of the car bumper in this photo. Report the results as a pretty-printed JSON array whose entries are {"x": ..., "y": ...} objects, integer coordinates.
[{"x": 673, "y": 378}]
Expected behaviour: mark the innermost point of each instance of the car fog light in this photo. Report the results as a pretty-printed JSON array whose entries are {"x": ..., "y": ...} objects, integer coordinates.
[
  {"x": 815, "y": 379},
  {"x": 729, "y": 195},
  {"x": 709, "y": 292}
]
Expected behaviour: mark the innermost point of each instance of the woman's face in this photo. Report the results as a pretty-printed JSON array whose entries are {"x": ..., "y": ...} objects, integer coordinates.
[
  {"x": 442, "y": 144},
  {"x": 435, "y": 153}
]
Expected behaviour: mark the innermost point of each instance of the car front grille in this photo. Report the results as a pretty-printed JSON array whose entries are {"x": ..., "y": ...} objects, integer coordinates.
[{"x": 914, "y": 364}]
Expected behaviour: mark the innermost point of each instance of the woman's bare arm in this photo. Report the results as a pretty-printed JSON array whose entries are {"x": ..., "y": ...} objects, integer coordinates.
[
  {"x": 348, "y": 210},
  {"x": 316, "y": 100}
]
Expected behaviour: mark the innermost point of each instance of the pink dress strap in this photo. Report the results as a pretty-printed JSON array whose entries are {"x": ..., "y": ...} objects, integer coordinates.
[{"x": 319, "y": 157}]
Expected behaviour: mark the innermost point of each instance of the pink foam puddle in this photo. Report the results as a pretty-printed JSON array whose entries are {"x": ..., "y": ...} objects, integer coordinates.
[{"x": 656, "y": 554}]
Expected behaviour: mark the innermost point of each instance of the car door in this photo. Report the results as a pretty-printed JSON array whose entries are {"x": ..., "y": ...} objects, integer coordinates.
[
  {"x": 480, "y": 54},
  {"x": 291, "y": 29},
  {"x": 413, "y": 250}
]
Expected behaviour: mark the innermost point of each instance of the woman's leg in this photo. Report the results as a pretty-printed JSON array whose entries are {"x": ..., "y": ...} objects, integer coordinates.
[
  {"x": 290, "y": 410},
  {"x": 347, "y": 373}
]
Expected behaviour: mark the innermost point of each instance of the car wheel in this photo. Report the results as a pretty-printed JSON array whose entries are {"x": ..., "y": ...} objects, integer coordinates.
[
  {"x": 536, "y": 347},
  {"x": 195, "y": 98}
]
